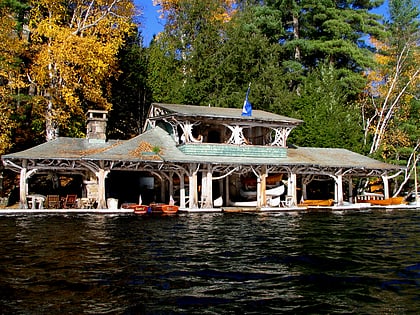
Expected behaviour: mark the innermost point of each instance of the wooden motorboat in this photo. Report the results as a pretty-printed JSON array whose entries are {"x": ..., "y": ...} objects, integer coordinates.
[
  {"x": 161, "y": 208},
  {"x": 388, "y": 201},
  {"x": 169, "y": 209},
  {"x": 317, "y": 202},
  {"x": 137, "y": 209},
  {"x": 129, "y": 206},
  {"x": 141, "y": 209}
]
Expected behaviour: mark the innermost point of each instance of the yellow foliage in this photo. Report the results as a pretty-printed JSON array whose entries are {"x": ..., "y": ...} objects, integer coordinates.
[
  {"x": 11, "y": 78},
  {"x": 76, "y": 51},
  {"x": 222, "y": 10},
  {"x": 390, "y": 89}
]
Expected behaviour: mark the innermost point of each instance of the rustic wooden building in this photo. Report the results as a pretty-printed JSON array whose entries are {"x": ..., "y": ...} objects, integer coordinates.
[{"x": 203, "y": 157}]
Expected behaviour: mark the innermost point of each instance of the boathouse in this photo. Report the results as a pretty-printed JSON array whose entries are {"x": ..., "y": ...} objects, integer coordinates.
[{"x": 201, "y": 157}]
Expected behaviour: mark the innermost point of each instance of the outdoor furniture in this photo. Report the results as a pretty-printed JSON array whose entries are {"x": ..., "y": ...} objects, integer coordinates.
[
  {"x": 35, "y": 201},
  {"x": 70, "y": 201},
  {"x": 53, "y": 201},
  {"x": 86, "y": 203},
  {"x": 288, "y": 202}
]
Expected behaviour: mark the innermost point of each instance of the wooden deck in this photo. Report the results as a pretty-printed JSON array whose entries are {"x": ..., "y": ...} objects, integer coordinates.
[{"x": 308, "y": 209}]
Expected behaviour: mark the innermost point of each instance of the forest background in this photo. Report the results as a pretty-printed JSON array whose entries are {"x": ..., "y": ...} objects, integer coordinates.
[{"x": 352, "y": 76}]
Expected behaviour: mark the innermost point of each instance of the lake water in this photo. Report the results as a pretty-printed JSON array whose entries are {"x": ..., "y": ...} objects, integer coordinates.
[{"x": 352, "y": 263}]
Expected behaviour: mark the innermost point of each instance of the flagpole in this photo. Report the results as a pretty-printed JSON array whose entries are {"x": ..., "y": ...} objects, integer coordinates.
[{"x": 247, "y": 107}]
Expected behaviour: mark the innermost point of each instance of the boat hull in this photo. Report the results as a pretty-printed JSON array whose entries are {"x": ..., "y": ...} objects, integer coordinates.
[
  {"x": 170, "y": 209},
  {"x": 315, "y": 202},
  {"x": 387, "y": 202},
  {"x": 141, "y": 209},
  {"x": 273, "y": 192}
]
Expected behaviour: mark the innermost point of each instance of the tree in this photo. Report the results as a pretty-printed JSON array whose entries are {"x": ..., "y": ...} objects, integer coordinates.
[
  {"x": 194, "y": 30},
  {"x": 76, "y": 46},
  {"x": 329, "y": 120},
  {"x": 391, "y": 102},
  {"x": 392, "y": 86},
  {"x": 12, "y": 80},
  {"x": 165, "y": 77},
  {"x": 327, "y": 31},
  {"x": 249, "y": 55},
  {"x": 130, "y": 92}
]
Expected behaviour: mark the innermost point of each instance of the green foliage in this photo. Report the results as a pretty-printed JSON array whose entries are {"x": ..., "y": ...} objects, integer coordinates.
[
  {"x": 130, "y": 92},
  {"x": 328, "y": 31},
  {"x": 329, "y": 120},
  {"x": 164, "y": 72},
  {"x": 305, "y": 59}
]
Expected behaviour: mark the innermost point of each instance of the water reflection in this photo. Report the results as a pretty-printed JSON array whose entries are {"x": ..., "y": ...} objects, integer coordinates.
[{"x": 211, "y": 263}]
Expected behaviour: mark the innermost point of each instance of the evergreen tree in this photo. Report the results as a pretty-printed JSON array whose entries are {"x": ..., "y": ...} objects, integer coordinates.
[
  {"x": 328, "y": 31},
  {"x": 165, "y": 77},
  {"x": 179, "y": 66},
  {"x": 329, "y": 120},
  {"x": 250, "y": 56},
  {"x": 130, "y": 92}
]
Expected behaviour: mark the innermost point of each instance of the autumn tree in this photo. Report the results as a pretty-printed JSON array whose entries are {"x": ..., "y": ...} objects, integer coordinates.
[
  {"x": 76, "y": 45},
  {"x": 390, "y": 102},
  {"x": 12, "y": 79},
  {"x": 394, "y": 83}
]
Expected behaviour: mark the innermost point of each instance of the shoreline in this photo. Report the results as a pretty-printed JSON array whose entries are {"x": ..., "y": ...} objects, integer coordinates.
[{"x": 306, "y": 209}]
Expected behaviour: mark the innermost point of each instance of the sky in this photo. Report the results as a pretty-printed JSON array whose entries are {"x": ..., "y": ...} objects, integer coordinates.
[{"x": 152, "y": 24}]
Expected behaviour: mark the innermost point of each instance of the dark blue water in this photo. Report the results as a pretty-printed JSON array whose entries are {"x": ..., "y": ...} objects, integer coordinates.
[{"x": 354, "y": 263}]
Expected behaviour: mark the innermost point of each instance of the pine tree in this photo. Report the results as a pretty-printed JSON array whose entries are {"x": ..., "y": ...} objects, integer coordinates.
[{"x": 328, "y": 31}]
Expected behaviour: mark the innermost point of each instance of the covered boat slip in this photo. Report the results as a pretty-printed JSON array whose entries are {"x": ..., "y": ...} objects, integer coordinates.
[{"x": 203, "y": 158}]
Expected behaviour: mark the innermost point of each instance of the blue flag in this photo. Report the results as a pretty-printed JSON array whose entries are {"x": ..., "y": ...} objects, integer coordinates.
[{"x": 247, "y": 108}]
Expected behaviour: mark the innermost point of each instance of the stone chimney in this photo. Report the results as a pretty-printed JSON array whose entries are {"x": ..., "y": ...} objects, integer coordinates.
[{"x": 96, "y": 125}]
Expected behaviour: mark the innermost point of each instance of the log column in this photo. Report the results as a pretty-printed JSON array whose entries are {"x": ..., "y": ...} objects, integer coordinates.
[
  {"x": 386, "y": 186},
  {"x": 291, "y": 188},
  {"x": 181, "y": 190},
  {"x": 101, "y": 176},
  {"x": 207, "y": 188},
  {"x": 339, "y": 190},
  {"x": 23, "y": 187},
  {"x": 193, "y": 187}
]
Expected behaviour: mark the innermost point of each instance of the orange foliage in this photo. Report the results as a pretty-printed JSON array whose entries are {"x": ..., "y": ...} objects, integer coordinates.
[{"x": 223, "y": 12}]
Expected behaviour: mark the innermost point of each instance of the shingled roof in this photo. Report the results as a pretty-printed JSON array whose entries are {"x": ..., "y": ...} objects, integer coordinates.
[
  {"x": 143, "y": 148},
  {"x": 200, "y": 112}
]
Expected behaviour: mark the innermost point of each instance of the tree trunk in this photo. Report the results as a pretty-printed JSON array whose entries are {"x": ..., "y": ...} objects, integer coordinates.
[{"x": 51, "y": 128}]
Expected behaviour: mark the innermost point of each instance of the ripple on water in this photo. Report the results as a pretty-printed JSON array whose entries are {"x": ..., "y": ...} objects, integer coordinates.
[{"x": 360, "y": 263}]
